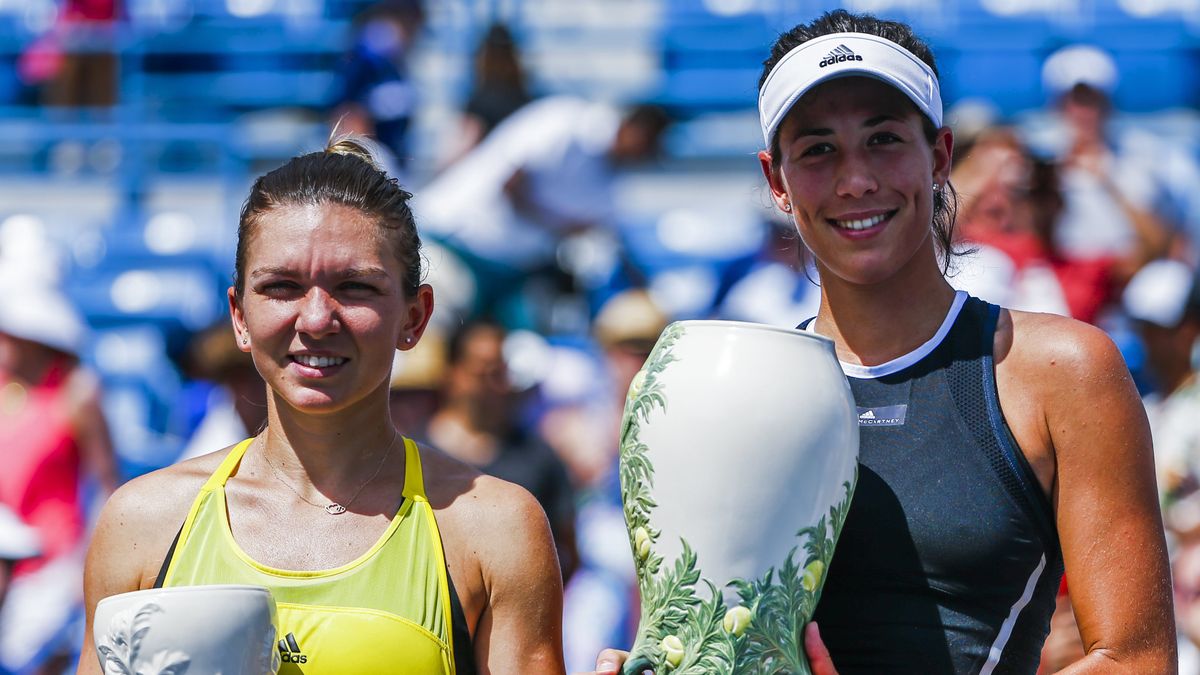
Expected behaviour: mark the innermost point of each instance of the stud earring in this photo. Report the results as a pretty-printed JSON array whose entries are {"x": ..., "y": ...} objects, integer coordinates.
[
  {"x": 787, "y": 207},
  {"x": 408, "y": 340},
  {"x": 245, "y": 340},
  {"x": 936, "y": 187}
]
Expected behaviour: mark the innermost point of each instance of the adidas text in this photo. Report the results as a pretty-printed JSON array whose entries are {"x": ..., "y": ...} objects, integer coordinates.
[{"x": 838, "y": 58}]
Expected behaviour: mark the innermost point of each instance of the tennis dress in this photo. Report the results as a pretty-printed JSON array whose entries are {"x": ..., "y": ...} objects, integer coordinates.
[
  {"x": 949, "y": 561},
  {"x": 392, "y": 610}
]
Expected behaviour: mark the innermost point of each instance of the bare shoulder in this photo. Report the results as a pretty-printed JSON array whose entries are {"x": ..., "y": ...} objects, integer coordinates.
[
  {"x": 494, "y": 532},
  {"x": 141, "y": 518},
  {"x": 466, "y": 498},
  {"x": 1059, "y": 348}
]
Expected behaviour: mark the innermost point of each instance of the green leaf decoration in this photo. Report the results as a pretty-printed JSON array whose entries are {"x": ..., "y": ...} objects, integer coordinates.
[{"x": 682, "y": 633}]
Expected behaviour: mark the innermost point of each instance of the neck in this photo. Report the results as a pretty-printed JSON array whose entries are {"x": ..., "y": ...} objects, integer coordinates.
[
  {"x": 332, "y": 451},
  {"x": 875, "y": 323}
]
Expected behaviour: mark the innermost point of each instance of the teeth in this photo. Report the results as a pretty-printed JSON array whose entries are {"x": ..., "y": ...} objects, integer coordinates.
[
  {"x": 861, "y": 224},
  {"x": 318, "y": 361}
]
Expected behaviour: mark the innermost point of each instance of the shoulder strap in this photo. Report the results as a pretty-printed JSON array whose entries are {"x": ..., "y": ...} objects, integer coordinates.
[
  {"x": 214, "y": 483},
  {"x": 414, "y": 482},
  {"x": 231, "y": 461}
]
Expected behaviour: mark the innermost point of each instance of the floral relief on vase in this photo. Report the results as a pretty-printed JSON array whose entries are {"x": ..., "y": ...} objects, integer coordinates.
[{"x": 692, "y": 624}]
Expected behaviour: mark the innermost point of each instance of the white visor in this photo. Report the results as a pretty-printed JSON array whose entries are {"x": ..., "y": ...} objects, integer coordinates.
[{"x": 839, "y": 55}]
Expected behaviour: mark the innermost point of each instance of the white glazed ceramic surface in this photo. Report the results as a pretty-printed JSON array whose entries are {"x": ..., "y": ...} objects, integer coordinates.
[
  {"x": 739, "y": 456},
  {"x": 193, "y": 630}
]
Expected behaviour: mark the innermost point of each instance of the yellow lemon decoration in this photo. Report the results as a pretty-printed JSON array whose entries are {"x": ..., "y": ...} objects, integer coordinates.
[
  {"x": 641, "y": 542},
  {"x": 736, "y": 620},
  {"x": 635, "y": 387},
  {"x": 812, "y": 575},
  {"x": 673, "y": 649}
]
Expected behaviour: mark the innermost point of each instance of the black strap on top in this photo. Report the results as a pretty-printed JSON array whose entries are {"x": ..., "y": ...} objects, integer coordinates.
[
  {"x": 464, "y": 652},
  {"x": 162, "y": 572}
]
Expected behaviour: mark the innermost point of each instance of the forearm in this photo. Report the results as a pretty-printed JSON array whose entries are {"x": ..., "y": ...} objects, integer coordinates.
[{"x": 1149, "y": 660}]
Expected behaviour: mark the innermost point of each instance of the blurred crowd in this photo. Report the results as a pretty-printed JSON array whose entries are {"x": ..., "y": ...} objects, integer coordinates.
[{"x": 545, "y": 312}]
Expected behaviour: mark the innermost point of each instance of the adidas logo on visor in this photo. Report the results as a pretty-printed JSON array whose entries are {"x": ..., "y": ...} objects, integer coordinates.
[{"x": 840, "y": 54}]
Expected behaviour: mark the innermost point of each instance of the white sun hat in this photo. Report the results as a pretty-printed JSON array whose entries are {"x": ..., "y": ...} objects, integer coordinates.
[
  {"x": 1079, "y": 64},
  {"x": 1160, "y": 293},
  {"x": 35, "y": 311}
]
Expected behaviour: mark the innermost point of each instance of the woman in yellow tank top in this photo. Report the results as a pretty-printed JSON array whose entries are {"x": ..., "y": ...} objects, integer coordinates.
[{"x": 382, "y": 556}]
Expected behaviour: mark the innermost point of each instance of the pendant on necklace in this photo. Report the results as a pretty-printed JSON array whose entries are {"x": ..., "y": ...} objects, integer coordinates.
[{"x": 335, "y": 509}]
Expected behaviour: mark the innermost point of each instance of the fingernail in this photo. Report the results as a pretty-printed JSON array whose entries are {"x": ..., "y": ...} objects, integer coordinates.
[{"x": 606, "y": 667}]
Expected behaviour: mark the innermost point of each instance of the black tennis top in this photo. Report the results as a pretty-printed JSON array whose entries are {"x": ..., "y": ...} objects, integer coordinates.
[{"x": 949, "y": 561}]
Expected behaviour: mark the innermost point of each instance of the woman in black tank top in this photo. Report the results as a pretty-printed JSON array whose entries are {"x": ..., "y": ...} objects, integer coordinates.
[{"x": 999, "y": 447}]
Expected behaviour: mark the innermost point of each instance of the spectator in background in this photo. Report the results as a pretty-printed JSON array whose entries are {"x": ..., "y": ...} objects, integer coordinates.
[
  {"x": 1012, "y": 205},
  {"x": 417, "y": 379},
  {"x": 54, "y": 437},
  {"x": 497, "y": 90},
  {"x": 601, "y": 599},
  {"x": 236, "y": 405},
  {"x": 775, "y": 288},
  {"x": 1164, "y": 302},
  {"x": 377, "y": 96},
  {"x": 1186, "y": 577},
  {"x": 477, "y": 424},
  {"x": 1106, "y": 175},
  {"x": 545, "y": 173},
  {"x": 18, "y": 542},
  {"x": 76, "y": 61}
]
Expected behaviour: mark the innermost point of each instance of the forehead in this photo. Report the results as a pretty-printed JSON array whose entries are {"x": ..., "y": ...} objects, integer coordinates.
[
  {"x": 849, "y": 96},
  {"x": 325, "y": 232}
]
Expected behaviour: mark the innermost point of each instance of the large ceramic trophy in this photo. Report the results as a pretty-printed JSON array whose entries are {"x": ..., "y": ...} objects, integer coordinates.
[
  {"x": 739, "y": 454},
  {"x": 188, "y": 630}
]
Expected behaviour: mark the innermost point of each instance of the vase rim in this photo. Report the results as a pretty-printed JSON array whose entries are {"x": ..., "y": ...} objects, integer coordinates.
[
  {"x": 751, "y": 325},
  {"x": 173, "y": 590}
]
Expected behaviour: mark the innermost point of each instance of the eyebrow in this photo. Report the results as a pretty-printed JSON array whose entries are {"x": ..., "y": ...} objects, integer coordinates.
[
  {"x": 872, "y": 122},
  {"x": 349, "y": 273}
]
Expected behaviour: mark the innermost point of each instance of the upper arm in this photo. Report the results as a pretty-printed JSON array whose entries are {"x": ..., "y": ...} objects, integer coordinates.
[
  {"x": 131, "y": 539},
  {"x": 520, "y": 630},
  {"x": 1104, "y": 495}
]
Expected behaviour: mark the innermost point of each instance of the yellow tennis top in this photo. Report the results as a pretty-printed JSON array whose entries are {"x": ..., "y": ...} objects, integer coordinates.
[{"x": 387, "y": 611}]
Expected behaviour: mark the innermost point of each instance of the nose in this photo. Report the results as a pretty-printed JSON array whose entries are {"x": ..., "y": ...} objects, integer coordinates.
[
  {"x": 317, "y": 314},
  {"x": 856, "y": 176}
]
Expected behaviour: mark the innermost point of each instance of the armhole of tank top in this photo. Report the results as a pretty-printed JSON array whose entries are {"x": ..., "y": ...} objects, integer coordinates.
[
  {"x": 1019, "y": 464},
  {"x": 162, "y": 572},
  {"x": 460, "y": 634},
  {"x": 216, "y": 480}
]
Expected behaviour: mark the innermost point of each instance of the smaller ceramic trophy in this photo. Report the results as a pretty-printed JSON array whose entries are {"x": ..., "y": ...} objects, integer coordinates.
[{"x": 188, "y": 630}]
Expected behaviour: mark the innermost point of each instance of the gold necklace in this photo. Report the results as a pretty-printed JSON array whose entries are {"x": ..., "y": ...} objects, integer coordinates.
[{"x": 334, "y": 508}]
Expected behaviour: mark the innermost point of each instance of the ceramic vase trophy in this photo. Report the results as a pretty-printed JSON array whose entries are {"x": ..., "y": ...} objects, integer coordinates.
[
  {"x": 739, "y": 455},
  {"x": 188, "y": 630}
]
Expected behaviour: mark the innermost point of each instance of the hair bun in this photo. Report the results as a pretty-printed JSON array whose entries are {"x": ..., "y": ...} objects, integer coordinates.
[{"x": 362, "y": 147}]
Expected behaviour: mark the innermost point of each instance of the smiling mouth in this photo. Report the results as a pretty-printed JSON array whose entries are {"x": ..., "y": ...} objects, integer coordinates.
[
  {"x": 318, "y": 361},
  {"x": 863, "y": 223}
]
